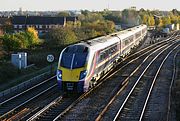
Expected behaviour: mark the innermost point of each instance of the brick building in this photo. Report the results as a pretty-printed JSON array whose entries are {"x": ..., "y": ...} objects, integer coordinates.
[{"x": 41, "y": 23}]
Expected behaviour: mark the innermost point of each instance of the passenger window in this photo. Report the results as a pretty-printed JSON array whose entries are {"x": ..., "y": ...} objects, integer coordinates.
[{"x": 101, "y": 57}]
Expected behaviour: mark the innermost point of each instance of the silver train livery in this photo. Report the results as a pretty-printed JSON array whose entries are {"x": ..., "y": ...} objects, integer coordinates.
[{"x": 82, "y": 64}]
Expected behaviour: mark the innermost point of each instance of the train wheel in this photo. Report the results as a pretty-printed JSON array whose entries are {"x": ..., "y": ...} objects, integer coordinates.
[{"x": 91, "y": 83}]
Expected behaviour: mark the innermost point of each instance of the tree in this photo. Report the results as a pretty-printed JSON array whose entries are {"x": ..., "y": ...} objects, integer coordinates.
[
  {"x": 80, "y": 33},
  {"x": 85, "y": 33},
  {"x": 145, "y": 19},
  {"x": 131, "y": 17},
  {"x": 175, "y": 12},
  {"x": 63, "y": 14},
  {"x": 78, "y": 24},
  {"x": 10, "y": 43},
  {"x": 166, "y": 21},
  {"x": 91, "y": 33},
  {"x": 110, "y": 26},
  {"x": 85, "y": 12},
  {"x": 20, "y": 40},
  {"x": 7, "y": 27},
  {"x": 113, "y": 16},
  {"x": 90, "y": 17},
  {"x": 151, "y": 21},
  {"x": 70, "y": 24},
  {"x": 61, "y": 36},
  {"x": 32, "y": 36},
  {"x": 157, "y": 21},
  {"x": 160, "y": 22},
  {"x": 174, "y": 19}
]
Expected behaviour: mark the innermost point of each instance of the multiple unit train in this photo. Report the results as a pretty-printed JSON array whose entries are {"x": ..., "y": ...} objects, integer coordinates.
[{"x": 82, "y": 64}]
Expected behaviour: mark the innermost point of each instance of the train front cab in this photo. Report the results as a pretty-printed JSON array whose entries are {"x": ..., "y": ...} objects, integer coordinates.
[{"x": 72, "y": 69}]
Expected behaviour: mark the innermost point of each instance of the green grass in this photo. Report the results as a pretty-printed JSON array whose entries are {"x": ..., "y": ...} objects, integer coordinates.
[{"x": 11, "y": 76}]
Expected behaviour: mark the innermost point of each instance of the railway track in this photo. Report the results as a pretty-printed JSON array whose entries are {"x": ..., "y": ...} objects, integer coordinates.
[
  {"x": 135, "y": 104},
  {"x": 91, "y": 112},
  {"x": 110, "y": 107},
  {"x": 18, "y": 102},
  {"x": 170, "y": 101},
  {"x": 49, "y": 112}
]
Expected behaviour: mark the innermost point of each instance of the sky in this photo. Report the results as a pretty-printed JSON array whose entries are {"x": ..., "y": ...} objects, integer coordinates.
[{"x": 56, "y": 5}]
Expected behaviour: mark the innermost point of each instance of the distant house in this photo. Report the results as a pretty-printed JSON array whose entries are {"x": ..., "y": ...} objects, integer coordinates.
[{"x": 41, "y": 23}]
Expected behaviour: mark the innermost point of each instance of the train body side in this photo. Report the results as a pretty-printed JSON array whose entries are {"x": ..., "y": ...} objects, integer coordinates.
[{"x": 82, "y": 64}]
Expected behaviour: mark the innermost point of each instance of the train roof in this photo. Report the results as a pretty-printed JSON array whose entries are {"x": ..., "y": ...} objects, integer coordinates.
[{"x": 100, "y": 42}]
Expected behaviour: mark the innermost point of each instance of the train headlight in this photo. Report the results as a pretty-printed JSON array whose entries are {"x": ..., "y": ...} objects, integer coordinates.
[
  {"x": 59, "y": 74},
  {"x": 83, "y": 74}
]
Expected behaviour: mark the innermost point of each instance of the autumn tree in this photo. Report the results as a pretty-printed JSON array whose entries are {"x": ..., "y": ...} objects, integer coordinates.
[
  {"x": 32, "y": 36},
  {"x": 151, "y": 21},
  {"x": 7, "y": 28},
  {"x": 166, "y": 20},
  {"x": 174, "y": 19},
  {"x": 85, "y": 33},
  {"x": 70, "y": 24},
  {"x": 110, "y": 26},
  {"x": 175, "y": 12},
  {"x": 61, "y": 36},
  {"x": 145, "y": 19},
  {"x": 81, "y": 33},
  {"x": 89, "y": 17},
  {"x": 160, "y": 23},
  {"x": 78, "y": 24},
  {"x": 10, "y": 43},
  {"x": 20, "y": 40}
]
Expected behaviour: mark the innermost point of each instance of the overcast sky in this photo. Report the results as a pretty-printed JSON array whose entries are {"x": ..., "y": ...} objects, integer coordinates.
[{"x": 87, "y": 4}]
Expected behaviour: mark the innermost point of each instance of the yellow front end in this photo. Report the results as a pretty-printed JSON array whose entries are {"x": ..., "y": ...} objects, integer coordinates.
[
  {"x": 72, "y": 79},
  {"x": 72, "y": 70},
  {"x": 71, "y": 75}
]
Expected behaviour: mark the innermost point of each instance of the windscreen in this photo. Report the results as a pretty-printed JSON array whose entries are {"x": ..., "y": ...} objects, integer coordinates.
[{"x": 74, "y": 57}]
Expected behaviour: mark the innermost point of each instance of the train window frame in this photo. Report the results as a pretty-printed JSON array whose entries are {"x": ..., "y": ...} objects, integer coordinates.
[
  {"x": 137, "y": 34},
  {"x": 101, "y": 57},
  {"x": 128, "y": 40},
  {"x": 106, "y": 52}
]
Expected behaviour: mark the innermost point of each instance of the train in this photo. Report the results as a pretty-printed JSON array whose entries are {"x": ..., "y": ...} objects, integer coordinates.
[{"x": 82, "y": 64}]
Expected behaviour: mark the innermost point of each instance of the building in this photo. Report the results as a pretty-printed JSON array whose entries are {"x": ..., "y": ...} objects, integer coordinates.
[{"x": 41, "y": 23}]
